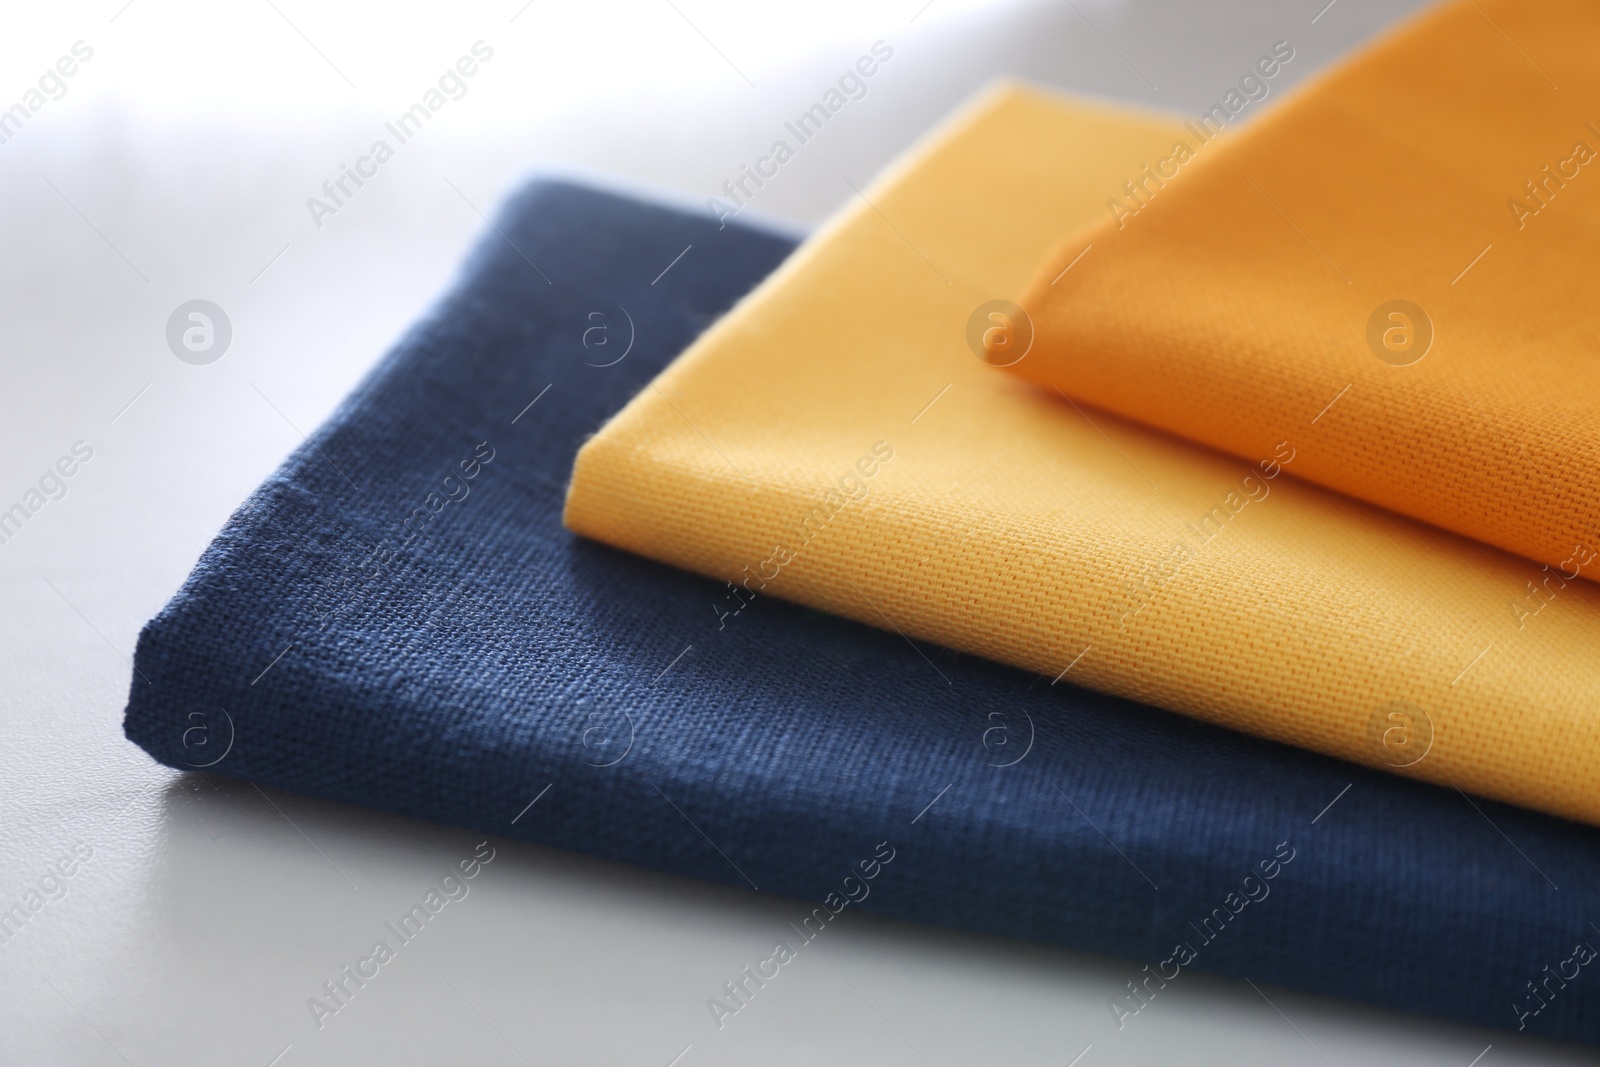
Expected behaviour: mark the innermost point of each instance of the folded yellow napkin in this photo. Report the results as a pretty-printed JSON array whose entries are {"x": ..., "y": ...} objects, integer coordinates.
[
  {"x": 836, "y": 441},
  {"x": 1397, "y": 269}
]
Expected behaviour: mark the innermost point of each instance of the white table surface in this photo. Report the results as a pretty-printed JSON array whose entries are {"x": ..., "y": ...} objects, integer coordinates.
[{"x": 177, "y": 166}]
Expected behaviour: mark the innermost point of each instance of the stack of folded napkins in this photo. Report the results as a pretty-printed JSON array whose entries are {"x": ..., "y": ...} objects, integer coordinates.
[{"x": 1089, "y": 419}]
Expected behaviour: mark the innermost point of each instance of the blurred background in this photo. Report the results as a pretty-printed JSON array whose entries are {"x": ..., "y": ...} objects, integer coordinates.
[{"x": 176, "y": 163}]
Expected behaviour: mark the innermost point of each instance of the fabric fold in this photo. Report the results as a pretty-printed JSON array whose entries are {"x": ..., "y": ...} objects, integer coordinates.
[
  {"x": 840, "y": 440},
  {"x": 1394, "y": 268},
  {"x": 425, "y": 638}
]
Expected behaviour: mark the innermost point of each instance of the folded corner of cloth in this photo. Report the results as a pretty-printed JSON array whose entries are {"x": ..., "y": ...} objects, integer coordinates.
[
  {"x": 1393, "y": 269},
  {"x": 430, "y": 641},
  {"x": 331, "y": 571},
  {"x": 841, "y": 439}
]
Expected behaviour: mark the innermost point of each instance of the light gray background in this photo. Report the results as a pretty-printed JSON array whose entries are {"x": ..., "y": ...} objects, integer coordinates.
[{"x": 177, "y": 167}]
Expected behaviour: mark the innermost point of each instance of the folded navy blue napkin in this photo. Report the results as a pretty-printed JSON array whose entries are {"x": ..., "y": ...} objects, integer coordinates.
[{"x": 397, "y": 619}]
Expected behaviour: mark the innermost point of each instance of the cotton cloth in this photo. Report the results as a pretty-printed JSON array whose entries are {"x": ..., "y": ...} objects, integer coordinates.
[
  {"x": 492, "y": 671},
  {"x": 1395, "y": 270},
  {"x": 1022, "y": 526}
]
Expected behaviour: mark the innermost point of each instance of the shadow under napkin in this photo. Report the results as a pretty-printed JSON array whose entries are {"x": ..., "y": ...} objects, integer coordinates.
[{"x": 397, "y": 619}]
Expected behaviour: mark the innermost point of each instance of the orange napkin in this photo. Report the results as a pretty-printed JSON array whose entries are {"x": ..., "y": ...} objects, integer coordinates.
[{"x": 1397, "y": 270}]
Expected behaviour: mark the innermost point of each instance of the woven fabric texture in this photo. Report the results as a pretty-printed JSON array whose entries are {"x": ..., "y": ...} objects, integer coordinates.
[
  {"x": 488, "y": 669},
  {"x": 1020, "y": 526},
  {"x": 1394, "y": 269}
]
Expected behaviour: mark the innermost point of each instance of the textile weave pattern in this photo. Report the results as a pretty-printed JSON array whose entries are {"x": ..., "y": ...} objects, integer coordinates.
[
  {"x": 1021, "y": 525},
  {"x": 495, "y": 672},
  {"x": 1412, "y": 236}
]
